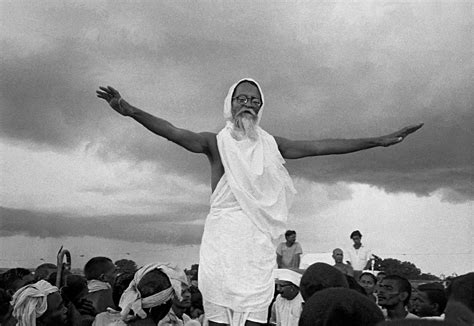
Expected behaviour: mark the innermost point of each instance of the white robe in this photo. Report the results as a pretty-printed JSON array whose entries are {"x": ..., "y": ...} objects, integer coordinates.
[{"x": 237, "y": 254}]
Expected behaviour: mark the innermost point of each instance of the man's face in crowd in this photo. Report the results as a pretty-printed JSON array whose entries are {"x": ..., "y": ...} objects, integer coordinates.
[
  {"x": 367, "y": 282},
  {"x": 56, "y": 313},
  {"x": 110, "y": 275},
  {"x": 291, "y": 239},
  {"x": 422, "y": 306},
  {"x": 389, "y": 294},
  {"x": 356, "y": 239},
  {"x": 338, "y": 256},
  {"x": 185, "y": 302},
  {"x": 287, "y": 290}
]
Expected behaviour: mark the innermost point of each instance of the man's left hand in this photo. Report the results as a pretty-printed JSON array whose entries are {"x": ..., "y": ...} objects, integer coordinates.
[{"x": 399, "y": 136}]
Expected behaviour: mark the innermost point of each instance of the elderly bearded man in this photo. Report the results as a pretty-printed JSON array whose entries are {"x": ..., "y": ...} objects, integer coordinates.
[{"x": 251, "y": 195}]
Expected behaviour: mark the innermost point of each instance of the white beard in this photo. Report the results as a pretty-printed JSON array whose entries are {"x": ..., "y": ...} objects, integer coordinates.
[{"x": 245, "y": 126}]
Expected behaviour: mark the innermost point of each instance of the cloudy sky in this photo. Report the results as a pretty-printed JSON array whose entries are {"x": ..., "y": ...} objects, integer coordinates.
[{"x": 75, "y": 173}]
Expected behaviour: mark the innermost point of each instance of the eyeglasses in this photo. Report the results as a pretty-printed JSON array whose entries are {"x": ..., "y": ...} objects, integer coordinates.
[{"x": 242, "y": 99}]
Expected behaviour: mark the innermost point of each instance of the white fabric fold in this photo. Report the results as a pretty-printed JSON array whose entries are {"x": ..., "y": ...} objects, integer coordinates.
[
  {"x": 96, "y": 285},
  {"x": 283, "y": 274},
  {"x": 30, "y": 302},
  {"x": 256, "y": 175},
  {"x": 131, "y": 298}
]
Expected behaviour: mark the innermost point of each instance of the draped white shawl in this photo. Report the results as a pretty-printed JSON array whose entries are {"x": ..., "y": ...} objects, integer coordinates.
[
  {"x": 31, "y": 302},
  {"x": 255, "y": 172}
]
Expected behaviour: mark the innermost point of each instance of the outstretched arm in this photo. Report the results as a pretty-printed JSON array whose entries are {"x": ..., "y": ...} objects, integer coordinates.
[
  {"x": 292, "y": 149},
  {"x": 194, "y": 142}
]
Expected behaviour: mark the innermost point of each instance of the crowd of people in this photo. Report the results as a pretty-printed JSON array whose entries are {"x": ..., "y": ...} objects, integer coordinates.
[{"x": 120, "y": 293}]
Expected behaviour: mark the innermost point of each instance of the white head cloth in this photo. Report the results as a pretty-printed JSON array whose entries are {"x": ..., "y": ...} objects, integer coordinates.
[
  {"x": 255, "y": 172},
  {"x": 283, "y": 274},
  {"x": 30, "y": 302},
  {"x": 131, "y": 298}
]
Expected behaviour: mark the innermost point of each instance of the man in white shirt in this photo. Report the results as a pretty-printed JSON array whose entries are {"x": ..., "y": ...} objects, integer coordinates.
[
  {"x": 358, "y": 254},
  {"x": 289, "y": 252}
]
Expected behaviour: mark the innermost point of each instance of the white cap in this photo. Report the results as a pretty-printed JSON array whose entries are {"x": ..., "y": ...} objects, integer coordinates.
[{"x": 287, "y": 275}]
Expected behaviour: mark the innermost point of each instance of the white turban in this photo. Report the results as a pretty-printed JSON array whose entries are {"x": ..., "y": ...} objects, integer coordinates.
[
  {"x": 228, "y": 100},
  {"x": 283, "y": 274},
  {"x": 131, "y": 298},
  {"x": 30, "y": 302}
]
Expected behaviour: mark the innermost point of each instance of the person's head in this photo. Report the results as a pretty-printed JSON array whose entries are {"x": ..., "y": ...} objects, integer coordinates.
[
  {"x": 152, "y": 283},
  {"x": 43, "y": 271},
  {"x": 287, "y": 283},
  {"x": 185, "y": 301},
  {"x": 75, "y": 288},
  {"x": 101, "y": 269},
  {"x": 338, "y": 255},
  {"x": 39, "y": 303},
  {"x": 121, "y": 283},
  {"x": 356, "y": 236},
  {"x": 56, "y": 313},
  {"x": 320, "y": 276},
  {"x": 246, "y": 101},
  {"x": 460, "y": 305},
  {"x": 430, "y": 300},
  {"x": 126, "y": 266},
  {"x": 339, "y": 306},
  {"x": 290, "y": 236},
  {"x": 394, "y": 291},
  {"x": 287, "y": 289},
  {"x": 368, "y": 282},
  {"x": 15, "y": 278}
]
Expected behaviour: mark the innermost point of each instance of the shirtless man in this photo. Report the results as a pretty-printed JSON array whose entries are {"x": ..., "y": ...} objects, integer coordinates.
[{"x": 251, "y": 195}]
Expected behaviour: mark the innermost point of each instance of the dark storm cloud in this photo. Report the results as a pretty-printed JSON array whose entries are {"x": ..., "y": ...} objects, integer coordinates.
[
  {"x": 331, "y": 70},
  {"x": 163, "y": 229}
]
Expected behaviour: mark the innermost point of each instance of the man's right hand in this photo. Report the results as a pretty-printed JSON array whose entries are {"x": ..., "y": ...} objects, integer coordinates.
[{"x": 112, "y": 96}]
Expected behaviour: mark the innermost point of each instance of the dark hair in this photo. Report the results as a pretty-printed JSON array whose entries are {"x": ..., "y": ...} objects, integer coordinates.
[
  {"x": 43, "y": 271},
  {"x": 74, "y": 286},
  {"x": 12, "y": 275},
  {"x": 339, "y": 306},
  {"x": 370, "y": 274},
  {"x": 461, "y": 289},
  {"x": 435, "y": 293},
  {"x": 250, "y": 82},
  {"x": 320, "y": 276},
  {"x": 151, "y": 283},
  {"x": 356, "y": 232},
  {"x": 403, "y": 285},
  {"x": 289, "y": 232},
  {"x": 96, "y": 266},
  {"x": 5, "y": 299}
]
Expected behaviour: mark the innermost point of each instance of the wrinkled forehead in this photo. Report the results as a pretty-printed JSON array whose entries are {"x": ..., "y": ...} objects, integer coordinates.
[{"x": 248, "y": 88}]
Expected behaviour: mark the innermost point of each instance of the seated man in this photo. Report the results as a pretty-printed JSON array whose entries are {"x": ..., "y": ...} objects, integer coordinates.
[
  {"x": 288, "y": 304},
  {"x": 338, "y": 256},
  {"x": 100, "y": 273},
  {"x": 39, "y": 304},
  {"x": 430, "y": 301},
  {"x": 148, "y": 298},
  {"x": 394, "y": 294}
]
